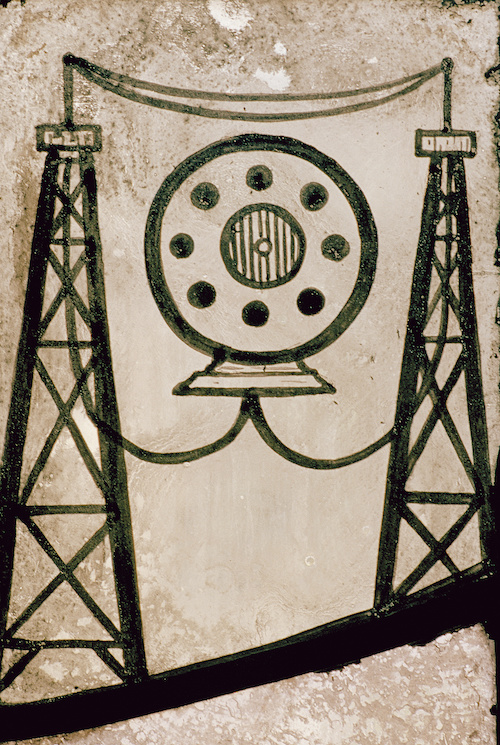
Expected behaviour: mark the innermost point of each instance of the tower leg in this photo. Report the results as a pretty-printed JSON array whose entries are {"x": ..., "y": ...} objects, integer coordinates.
[
  {"x": 17, "y": 422},
  {"x": 112, "y": 457},
  {"x": 472, "y": 370}
]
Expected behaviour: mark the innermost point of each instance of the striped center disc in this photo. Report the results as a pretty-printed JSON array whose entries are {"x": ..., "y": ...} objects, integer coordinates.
[{"x": 262, "y": 246}]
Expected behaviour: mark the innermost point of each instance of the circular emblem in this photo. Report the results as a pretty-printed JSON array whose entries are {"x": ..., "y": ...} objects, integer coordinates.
[{"x": 262, "y": 246}]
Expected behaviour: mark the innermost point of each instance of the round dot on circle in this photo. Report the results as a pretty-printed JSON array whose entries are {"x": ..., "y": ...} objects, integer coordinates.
[
  {"x": 205, "y": 196},
  {"x": 255, "y": 313},
  {"x": 313, "y": 196},
  {"x": 310, "y": 561},
  {"x": 201, "y": 295},
  {"x": 259, "y": 178},
  {"x": 335, "y": 247},
  {"x": 310, "y": 301},
  {"x": 181, "y": 246}
]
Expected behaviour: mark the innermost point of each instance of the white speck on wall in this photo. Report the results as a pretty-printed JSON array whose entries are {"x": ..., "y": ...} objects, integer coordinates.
[
  {"x": 87, "y": 430},
  {"x": 280, "y": 48},
  {"x": 84, "y": 622},
  {"x": 277, "y": 81},
  {"x": 229, "y": 14},
  {"x": 164, "y": 15},
  {"x": 372, "y": 61},
  {"x": 54, "y": 670}
]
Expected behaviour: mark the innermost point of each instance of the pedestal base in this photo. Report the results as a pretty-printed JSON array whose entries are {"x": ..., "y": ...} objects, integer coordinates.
[{"x": 229, "y": 379}]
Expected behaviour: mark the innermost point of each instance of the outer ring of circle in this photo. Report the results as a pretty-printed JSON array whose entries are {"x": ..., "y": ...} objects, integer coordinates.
[{"x": 260, "y": 142}]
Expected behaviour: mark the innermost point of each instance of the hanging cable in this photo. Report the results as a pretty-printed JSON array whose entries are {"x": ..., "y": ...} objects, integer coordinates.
[
  {"x": 171, "y": 458},
  {"x": 265, "y": 431},
  {"x": 250, "y": 409},
  {"x": 128, "y": 87}
]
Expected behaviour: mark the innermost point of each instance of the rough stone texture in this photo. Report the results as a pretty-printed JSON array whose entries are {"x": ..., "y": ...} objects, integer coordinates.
[
  {"x": 232, "y": 551},
  {"x": 440, "y": 693}
]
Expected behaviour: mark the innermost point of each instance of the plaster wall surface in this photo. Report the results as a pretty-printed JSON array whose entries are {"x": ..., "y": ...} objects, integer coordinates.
[{"x": 243, "y": 548}]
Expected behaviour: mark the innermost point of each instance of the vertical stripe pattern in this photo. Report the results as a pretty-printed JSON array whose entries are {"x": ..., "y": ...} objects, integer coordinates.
[{"x": 262, "y": 246}]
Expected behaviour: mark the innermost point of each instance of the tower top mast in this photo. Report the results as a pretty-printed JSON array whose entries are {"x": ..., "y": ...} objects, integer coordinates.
[{"x": 447, "y": 67}]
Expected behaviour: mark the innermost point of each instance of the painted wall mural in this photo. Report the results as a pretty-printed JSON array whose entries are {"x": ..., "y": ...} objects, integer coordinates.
[{"x": 252, "y": 418}]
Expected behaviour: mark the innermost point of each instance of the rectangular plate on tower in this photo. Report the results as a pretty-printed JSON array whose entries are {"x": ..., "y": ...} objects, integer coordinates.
[
  {"x": 436, "y": 142},
  {"x": 79, "y": 137}
]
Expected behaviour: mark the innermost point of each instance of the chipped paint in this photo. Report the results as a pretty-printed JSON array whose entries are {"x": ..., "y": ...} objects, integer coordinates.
[
  {"x": 230, "y": 14},
  {"x": 276, "y": 80}
]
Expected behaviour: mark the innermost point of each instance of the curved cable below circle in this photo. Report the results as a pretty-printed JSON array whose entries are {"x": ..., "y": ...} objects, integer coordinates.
[
  {"x": 171, "y": 458},
  {"x": 265, "y": 431},
  {"x": 250, "y": 409}
]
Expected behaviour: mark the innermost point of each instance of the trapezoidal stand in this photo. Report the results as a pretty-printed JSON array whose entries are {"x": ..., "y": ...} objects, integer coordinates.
[
  {"x": 441, "y": 320},
  {"x": 66, "y": 245}
]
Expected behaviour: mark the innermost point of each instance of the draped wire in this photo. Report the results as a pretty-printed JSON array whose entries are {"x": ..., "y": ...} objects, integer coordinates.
[{"x": 159, "y": 96}]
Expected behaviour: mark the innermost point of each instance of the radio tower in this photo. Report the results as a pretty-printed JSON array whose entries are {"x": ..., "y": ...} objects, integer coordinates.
[
  {"x": 66, "y": 245},
  {"x": 439, "y": 323}
]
